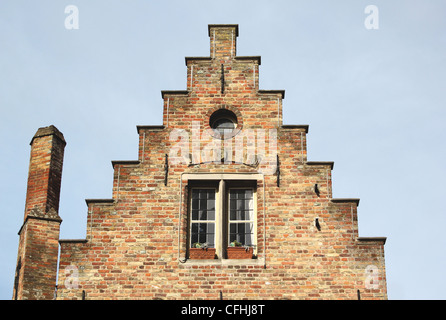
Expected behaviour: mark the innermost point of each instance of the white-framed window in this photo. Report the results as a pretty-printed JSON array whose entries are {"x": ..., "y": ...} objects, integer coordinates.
[
  {"x": 202, "y": 211},
  {"x": 241, "y": 217},
  {"x": 222, "y": 214}
]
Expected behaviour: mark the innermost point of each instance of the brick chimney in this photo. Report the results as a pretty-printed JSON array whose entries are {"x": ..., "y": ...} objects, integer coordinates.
[{"x": 39, "y": 235}]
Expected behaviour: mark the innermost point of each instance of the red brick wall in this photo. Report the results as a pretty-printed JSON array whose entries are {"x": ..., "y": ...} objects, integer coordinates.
[{"x": 136, "y": 242}]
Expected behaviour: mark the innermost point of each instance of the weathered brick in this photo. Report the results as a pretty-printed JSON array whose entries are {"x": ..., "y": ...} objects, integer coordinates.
[
  {"x": 36, "y": 270},
  {"x": 137, "y": 242}
]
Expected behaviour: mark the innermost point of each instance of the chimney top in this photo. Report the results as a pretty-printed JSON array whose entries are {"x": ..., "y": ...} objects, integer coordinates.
[
  {"x": 223, "y": 40},
  {"x": 47, "y": 131},
  {"x": 226, "y": 26}
]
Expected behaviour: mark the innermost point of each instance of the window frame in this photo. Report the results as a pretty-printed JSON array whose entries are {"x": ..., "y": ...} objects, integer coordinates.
[
  {"x": 251, "y": 221},
  {"x": 222, "y": 189},
  {"x": 207, "y": 221},
  {"x": 229, "y": 116}
]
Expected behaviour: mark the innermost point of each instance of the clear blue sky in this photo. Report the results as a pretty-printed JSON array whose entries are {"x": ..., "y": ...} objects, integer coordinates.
[{"x": 374, "y": 100}]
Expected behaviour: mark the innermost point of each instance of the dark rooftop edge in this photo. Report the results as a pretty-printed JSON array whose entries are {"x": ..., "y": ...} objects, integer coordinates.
[
  {"x": 173, "y": 92},
  {"x": 372, "y": 239},
  {"x": 149, "y": 127},
  {"x": 73, "y": 240},
  {"x": 125, "y": 162},
  {"x": 282, "y": 92},
  {"x": 346, "y": 200},
  {"x": 296, "y": 126},
  {"x": 210, "y": 26},
  {"x": 89, "y": 201},
  {"x": 321, "y": 163},
  {"x": 241, "y": 58}
]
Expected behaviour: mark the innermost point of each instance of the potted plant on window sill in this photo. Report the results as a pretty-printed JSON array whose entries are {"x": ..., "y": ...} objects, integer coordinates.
[
  {"x": 201, "y": 251},
  {"x": 237, "y": 250}
]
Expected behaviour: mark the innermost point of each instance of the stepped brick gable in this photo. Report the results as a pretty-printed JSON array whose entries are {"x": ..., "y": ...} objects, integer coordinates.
[{"x": 222, "y": 202}]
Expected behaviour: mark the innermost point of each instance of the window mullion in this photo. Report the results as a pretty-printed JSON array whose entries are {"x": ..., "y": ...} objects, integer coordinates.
[{"x": 220, "y": 220}]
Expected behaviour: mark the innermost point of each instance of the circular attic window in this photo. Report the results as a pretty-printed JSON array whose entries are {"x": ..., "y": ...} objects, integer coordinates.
[{"x": 224, "y": 123}]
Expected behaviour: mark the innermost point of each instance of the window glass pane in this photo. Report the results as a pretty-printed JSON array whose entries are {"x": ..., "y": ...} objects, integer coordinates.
[
  {"x": 248, "y": 239},
  {"x": 241, "y": 233},
  {"x": 203, "y": 204},
  {"x": 233, "y": 215},
  {"x": 194, "y": 233},
  {"x": 224, "y": 126},
  {"x": 232, "y": 204},
  {"x": 210, "y": 235},
  {"x": 211, "y": 205},
  {"x": 203, "y": 233},
  {"x": 241, "y": 204}
]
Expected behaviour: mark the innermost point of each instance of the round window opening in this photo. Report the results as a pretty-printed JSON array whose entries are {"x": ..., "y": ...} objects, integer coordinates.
[{"x": 224, "y": 123}]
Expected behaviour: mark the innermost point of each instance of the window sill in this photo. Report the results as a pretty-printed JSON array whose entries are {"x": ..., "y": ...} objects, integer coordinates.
[{"x": 223, "y": 262}]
